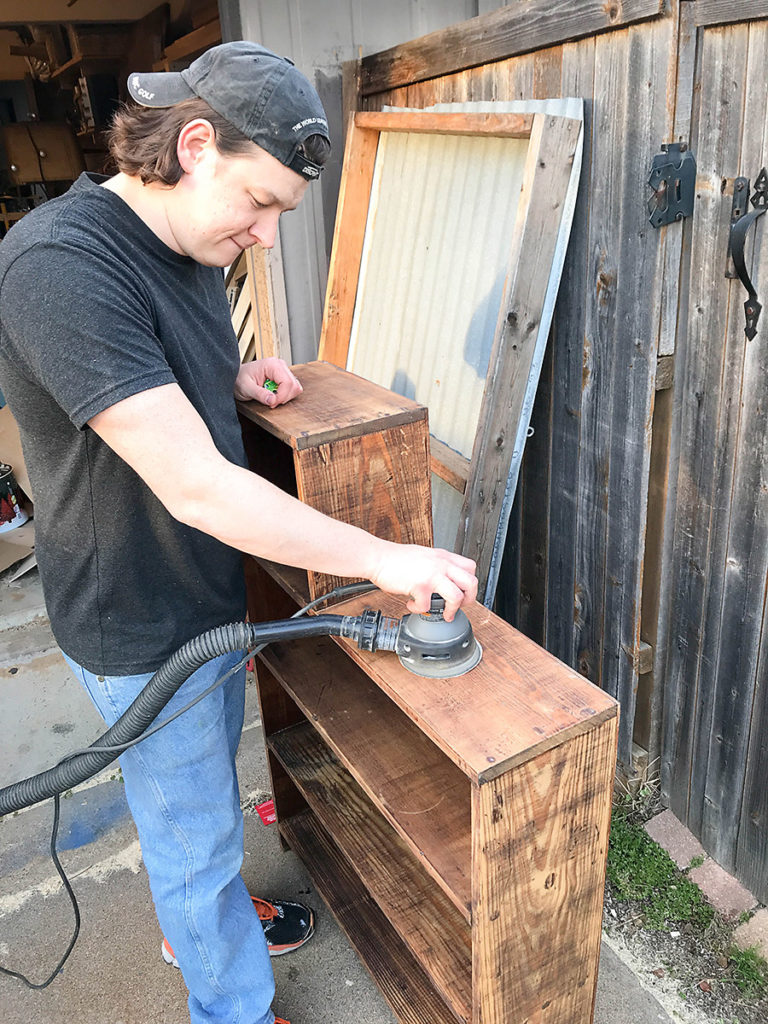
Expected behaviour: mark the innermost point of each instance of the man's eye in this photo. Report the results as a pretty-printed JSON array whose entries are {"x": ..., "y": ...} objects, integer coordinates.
[{"x": 257, "y": 204}]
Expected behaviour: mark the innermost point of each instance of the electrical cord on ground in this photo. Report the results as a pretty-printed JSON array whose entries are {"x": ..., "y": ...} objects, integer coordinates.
[
  {"x": 346, "y": 590},
  {"x": 72, "y": 897}
]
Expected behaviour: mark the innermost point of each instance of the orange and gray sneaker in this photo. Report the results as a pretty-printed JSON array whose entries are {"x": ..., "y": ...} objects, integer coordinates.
[{"x": 287, "y": 926}]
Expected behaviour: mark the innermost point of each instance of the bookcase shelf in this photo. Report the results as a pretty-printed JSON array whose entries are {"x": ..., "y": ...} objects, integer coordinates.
[
  {"x": 422, "y": 795},
  {"x": 402, "y": 980},
  {"x": 457, "y": 828},
  {"x": 427, "y": 922}
]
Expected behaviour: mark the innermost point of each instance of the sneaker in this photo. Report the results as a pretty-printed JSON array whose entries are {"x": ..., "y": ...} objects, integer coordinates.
[{"x": 287, "y": 926}]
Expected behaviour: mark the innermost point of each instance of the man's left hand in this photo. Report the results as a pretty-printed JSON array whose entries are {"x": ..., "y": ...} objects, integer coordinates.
[{"x": 251, "y": 377}]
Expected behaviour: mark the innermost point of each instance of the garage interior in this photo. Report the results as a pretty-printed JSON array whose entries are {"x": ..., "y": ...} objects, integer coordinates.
[{"x": 60, "y": 82}]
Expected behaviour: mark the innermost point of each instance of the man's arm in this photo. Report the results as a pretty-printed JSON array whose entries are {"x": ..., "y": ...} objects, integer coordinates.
[{"x": 162, "y": 437}]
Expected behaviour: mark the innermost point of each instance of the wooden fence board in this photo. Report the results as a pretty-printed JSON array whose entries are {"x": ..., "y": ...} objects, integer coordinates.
[
  {"x": 610, "y": 105},
  {"x": 509, "y": 31},
  {"x": 719, "y": 12},
  {"x": 640, "y": 251},
  {"x": 704, "y": 420},
  {"x": 662, "y": 497},
  {"x": 568, "y": 342}
]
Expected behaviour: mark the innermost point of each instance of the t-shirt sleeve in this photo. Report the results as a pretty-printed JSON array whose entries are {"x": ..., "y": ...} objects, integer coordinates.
[{"x": 82, "y": 325}]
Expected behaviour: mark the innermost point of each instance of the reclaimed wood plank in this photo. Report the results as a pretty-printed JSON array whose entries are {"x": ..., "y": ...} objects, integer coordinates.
[
  {"x": 290, "y": 579},
  {"x": 422, "y": 794},
  {"x": 518, "y": 701},
  {"x": 402, "y": 981},
  {"x": 537, "y": 902},
  {"x": 706, "y": 414},
  {"x": 513, "y": 126},
  {"x": 533, "y": 491},
  {"x": 448, "y": 464},
  {"x": 350, "y": 92},
  {"x": 378, "y": 481},
  {"x": 427, "y": 922},
  {"x": 677, "y": 237},
  {"x": 194, "y": 42},
  {"x": 722, "y": 12},
  {"x": 547, "y": 173},
  {"x": 348, "y": 238},
  {"x": 513, "y": 30}
]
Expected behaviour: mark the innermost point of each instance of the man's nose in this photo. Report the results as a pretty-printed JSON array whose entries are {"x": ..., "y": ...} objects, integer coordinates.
[{"x": 264, "y": 230}]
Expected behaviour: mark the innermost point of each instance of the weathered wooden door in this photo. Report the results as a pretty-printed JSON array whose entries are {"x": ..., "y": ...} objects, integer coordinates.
[{"x": 715, "y": 721}]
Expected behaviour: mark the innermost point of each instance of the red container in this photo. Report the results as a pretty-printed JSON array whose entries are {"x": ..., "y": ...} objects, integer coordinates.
[{"x": 11, "y": 512}]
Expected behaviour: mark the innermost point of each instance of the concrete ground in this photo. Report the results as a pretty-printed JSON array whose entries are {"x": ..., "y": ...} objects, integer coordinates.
[{"x": 115, "y": 974}]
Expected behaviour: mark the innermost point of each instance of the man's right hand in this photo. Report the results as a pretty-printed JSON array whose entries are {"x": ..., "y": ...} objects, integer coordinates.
[{"x": 420, "y": 572}]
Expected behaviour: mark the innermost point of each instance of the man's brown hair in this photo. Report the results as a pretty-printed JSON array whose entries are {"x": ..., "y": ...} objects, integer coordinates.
[{"x": 142, "y": 140}]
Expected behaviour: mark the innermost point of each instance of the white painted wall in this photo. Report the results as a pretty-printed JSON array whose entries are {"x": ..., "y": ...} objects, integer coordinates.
[{"x": 319, "y": 35}]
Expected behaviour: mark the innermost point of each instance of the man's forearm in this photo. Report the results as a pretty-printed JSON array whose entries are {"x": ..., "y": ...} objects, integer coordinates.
[{"x": 256, "y": 517}]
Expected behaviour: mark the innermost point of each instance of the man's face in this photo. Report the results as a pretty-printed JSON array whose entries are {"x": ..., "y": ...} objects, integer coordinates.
[{"x": 224, "y": 204}]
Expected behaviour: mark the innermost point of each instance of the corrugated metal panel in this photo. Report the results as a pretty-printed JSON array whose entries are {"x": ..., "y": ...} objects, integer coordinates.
[{"x": 432, "y": 279}]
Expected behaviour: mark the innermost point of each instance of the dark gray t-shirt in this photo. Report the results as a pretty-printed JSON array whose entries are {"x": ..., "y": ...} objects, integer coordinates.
[{"x": 95, "y": 308}]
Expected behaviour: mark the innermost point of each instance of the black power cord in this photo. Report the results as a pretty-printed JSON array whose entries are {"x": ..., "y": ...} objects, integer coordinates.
[{"x": 338, "y": 592}]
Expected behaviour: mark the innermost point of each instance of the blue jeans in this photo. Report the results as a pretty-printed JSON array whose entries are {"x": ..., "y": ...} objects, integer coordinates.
[{"x": 182, "y": 790}]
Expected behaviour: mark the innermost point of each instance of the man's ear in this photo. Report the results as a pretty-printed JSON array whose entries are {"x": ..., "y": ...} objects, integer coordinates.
[{"x": 196, "y": 139}]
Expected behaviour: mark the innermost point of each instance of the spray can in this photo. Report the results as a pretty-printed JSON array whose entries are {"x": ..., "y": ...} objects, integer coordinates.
[{"x": 11, "y": 512}]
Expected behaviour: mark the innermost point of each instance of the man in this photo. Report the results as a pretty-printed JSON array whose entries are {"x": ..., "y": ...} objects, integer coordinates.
[{"x": 118, "y": 360}]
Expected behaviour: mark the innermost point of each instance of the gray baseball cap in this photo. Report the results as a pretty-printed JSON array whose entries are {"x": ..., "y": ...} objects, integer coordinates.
[{"x": 262, "y": 95}]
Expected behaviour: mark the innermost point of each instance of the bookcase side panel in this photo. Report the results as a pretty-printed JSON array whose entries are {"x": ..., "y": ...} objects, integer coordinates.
[
  {"x": 379, "y": 482},
  {"x": 539, "y": 846}
]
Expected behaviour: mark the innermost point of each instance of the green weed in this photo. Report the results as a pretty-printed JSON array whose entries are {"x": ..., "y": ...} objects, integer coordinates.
[
  {"x": 639, "y": 869},
  {"x": 750, "y": 971}
]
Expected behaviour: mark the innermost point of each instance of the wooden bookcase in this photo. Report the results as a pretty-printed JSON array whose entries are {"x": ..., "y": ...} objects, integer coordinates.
[{"x": 457, "y": 828}]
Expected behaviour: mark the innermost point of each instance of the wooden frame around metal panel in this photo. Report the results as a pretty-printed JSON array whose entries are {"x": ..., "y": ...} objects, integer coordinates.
[{"x": 553, "y": 143}]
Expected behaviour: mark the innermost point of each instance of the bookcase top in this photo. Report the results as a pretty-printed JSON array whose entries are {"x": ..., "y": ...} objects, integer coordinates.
[{"x": 334, "y": 404}]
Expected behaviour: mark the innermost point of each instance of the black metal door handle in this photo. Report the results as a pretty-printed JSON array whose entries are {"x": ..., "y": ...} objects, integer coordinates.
[{"x": 739, "y": 231}]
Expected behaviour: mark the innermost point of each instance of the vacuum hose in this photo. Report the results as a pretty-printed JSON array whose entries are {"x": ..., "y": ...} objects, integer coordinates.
[{"x": 370, "y": 630}]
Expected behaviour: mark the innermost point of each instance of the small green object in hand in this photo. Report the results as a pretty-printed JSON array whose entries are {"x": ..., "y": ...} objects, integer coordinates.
[{"x": 270, "y": 385}]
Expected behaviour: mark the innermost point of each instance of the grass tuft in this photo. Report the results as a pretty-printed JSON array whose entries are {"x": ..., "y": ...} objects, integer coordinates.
[
  {"x": 639, "y": 869},
  {"x": 749, "y": 970}
]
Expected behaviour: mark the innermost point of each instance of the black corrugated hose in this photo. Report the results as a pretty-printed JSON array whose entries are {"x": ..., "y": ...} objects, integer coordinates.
[
  {"x": 133, "y": 724},
  {"x": 237, "y": 636}
]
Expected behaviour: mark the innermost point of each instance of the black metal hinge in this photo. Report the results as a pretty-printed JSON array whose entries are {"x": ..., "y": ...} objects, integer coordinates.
[{"x": 673, "y": 180}]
